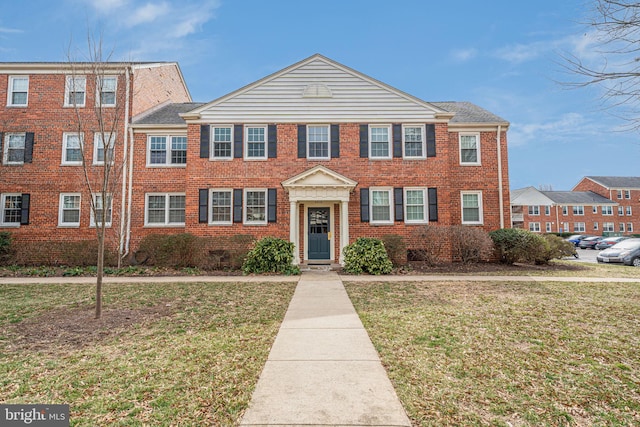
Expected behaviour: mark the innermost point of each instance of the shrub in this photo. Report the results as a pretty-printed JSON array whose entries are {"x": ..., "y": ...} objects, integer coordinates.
[
  {"x": 73, "y": 254},
  {"x": 367, "y": 255},
  {"x": 518, "y": 245},
  {"x": 429, "y": 244},
  {"x": 557, "y": 248},
  {"x": 396, "y": 249},
  {"x": 174, "y": 250},
  {"x": 470, "y": 244},
  {"x": 270, "y": 255},
  {"x": 5, "y": 247}
]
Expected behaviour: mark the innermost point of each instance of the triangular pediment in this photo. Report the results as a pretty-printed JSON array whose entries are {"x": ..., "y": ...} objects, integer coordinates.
[{"x": 319, "y": 177}]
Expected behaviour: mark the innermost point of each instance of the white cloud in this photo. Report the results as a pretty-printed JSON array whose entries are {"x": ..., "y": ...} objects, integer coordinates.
[
  {"x": 463, "y": 55},
  {"x": 6, "y": 30},
  {"x": 107, "y": 6},
  {"x": 568, "y": 127},
  {"x": 148, "y": 13}
]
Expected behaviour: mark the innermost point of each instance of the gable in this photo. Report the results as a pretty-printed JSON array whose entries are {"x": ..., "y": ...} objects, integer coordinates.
[{"x": 319, "y": 176}]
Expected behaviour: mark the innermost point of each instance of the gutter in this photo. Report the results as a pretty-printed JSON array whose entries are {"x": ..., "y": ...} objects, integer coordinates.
[
  {"x": 124, "y": 251},
  {"x": 500, "y": 184}
]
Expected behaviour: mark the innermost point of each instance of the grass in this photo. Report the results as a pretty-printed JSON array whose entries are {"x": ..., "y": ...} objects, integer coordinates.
[
  {"x": 196, "y": 364},
  {"x": 508, "y": 354}
]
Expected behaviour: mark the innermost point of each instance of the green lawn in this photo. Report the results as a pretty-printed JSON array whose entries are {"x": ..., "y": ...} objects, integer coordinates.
[
  {"x": 508, "y": 354},
  {"x": 163, "y": 354}
]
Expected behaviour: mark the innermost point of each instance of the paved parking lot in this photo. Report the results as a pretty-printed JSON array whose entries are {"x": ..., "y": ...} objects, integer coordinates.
[{"x": 586, "y": 255}]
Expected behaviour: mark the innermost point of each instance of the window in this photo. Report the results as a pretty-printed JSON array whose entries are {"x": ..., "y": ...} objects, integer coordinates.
[
  {"x": 630, "y": 227},
  {"x": 221, "y": 207},
  {"x": 379, "y": 146},
  {"x": 472, "y": 207},
  {"x": 565, "y": 210},
  {"x": 160, "y": 154},
  {"x": 548, "y": 227},
  {"x": 469, "y": 149},
  {"x": 75, "y": 91},
  {"x": 415, "y": 207},
  {"x": 381, "y": 203},
  {"x": 619, "y": 194},
  {"x": 255, "y": 142},
  {"x": 578, "y": 210},
  {"x": 18, "y": 93},
  {"x": 627, "y": 194},
  {"x": 222, "y": 142},
  {"x": 72, "y": 148},
  {"x": 69, "y": 213},
  {"x": 534, "y": 227},
  {"x": 620, "y": 211},
  {"x": 99, "y": 147},
  {"x": 255, "y": 211},
  {"x": 14, "y": 145},
  {"x": 11, "y": 210},
  {"x": 547, "y": 210},
  {"x": 413, "y": 141},
  {"x": 595, "y": 226},
  {"x": 595, "y": 209},
  {"x": 565, "y": 226},
  {"x": 106, "y": 96},
  {"x": 318, "y": 142},
  {"x": 578, "y": 227},
  {"x": 165, "y": 209},
  {"x": 534, "y": 210},
  {"x": 628, "y": 210},
  {"x": 99, "y": 207},
  {"x": 607, "y": 210},
  {"x": 607, "y": 226},
  {"x": 621, "y": 227}
]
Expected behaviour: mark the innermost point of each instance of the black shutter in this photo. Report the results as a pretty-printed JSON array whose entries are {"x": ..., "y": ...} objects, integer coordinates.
[
  {"x": 397, "y": 140},
  {"x": 433, "y": 204},
  {"x": 1, "y": 152},
  {"x": 399, "y": 205},
  {"x": 364, "y": 204},
  {"x": 237, "y": 141},
  {"x": 364, "y": 141},
  {"x": 431, "y": 140},
  {"x": 28, "y": 147},
  {"x": 335, "y": 141},
  {"x": 272, "y": 203},
  {"x": 272, "y": 148},
  {"x": 203, "y": 205},
  {"x": 302, "y": 141},
  {"x": 204, "y": 141},
  {"x": 24, "y": 209},
  {"x": 237, "y": 205}
]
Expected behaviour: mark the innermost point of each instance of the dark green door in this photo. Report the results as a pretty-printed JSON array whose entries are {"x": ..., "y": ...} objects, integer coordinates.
[{"x": 319, "y": 243}]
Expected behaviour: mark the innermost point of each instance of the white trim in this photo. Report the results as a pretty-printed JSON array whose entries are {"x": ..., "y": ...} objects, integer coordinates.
[
  {"x": 425, "y": 205},
  {"x": 98, "y": 138},
  {"x": 95, "y": 196},
  {"x": 5, "y": 148},
  {"x": 210, "y": 206},
  {"x": 388, "y": 190},
  {"x": 480, "y": 212},
  {"x": 166, "y": 222},
  {"x": 99, "y": 102},
  {"x": 167, "y": 151},
  {"x": 67, "y": 90},
  {"x": 10, "y": 91},
  {"x": 61, "y": 210},
  {"x": 65, "y": 140},
  {"x": 534, "y": 227},
  {"x": 323, "y": 204},
  {"x": 245, "y": 210},
  {"x": 245, "y": 137},
  {"x": 3, "y": 199},
  {"x": 478, "y": 161},
  {"x": 424, "y": 141},
  {"x": 212, "y": 133},
  {"x": 389, "y": 141},
  {"x": 328, "y": 128}
]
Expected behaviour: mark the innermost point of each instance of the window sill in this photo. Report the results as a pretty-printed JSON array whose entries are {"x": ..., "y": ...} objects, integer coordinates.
[
  {"x": 164, "y": 226},
  {"x": 10, "y": 225},
  {"x": 163, "y": 166},
  {"x": 68, "y": 225}
]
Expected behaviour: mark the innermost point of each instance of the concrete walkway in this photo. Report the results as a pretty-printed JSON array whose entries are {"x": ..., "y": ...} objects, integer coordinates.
[{"x": 323, "y": 369}]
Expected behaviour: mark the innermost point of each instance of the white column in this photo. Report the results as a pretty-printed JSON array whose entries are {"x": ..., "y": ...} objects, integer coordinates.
[
  {"x": 344, "y": 228},
  {"x": 293, "y": 231}
]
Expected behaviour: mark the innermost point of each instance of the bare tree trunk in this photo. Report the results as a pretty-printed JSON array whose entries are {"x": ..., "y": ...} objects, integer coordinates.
[{"x": 99, "y": 274}]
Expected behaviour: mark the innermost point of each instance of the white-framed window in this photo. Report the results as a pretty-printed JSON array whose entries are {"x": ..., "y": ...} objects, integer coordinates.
[
  {"x": 469, "y": 148},
  {"x": 578, "y": 210},
  {"x": 620, "y": 210},
  {"x": 222, "y": 142},
  {"x": 255, "y": 142},
  {"x": 75, "y": 91},
  {"x": 630, "y": 227},
  {"x": 415, "y": 205},
  {"x": 380, "y": 142},
  {"x": 595, "y": 209},
  {"x": 14, "y": 146},
  {"x": 547, "y": 210},
  {"x": 164, "y": 209},
  {"x": 548, "y": 228},
  {"x": 621, "y": 227},
  {"x": 579, "y": 227},
  {"x": 318, "y": 146},
  {"x": 11, "y": 210},
  {"x": 595, "y": 226},
  {"x": 627, "y": 194},
  {"x": 221, "y": 206},
  {"x": 255, "y": 206},
  {"x": 72, "y": 148},
  {"x": 100, "y": 206},
  {"x": 99, "y": 147},
  {"x": 607, "y": 210},
  {"x": 565, "y": 210},
  {"x": 628, "y": 208},
  {"x": 69, "y": 210},
  {"x": 381, "y": 205},
  {"x": 608, "y": 226},
  {"x": 534, "y": 227},
  {"x": 619, "y": 194},
  {"x": 106, "y": 87},
  {"x": 565, "y": 226},
  {"x": 472, "y": 207},
  {"x": 413, "y": 141},
  {"x": 534, "y": 210},
  {"x": 166, "y": 150},
  {"x": 18, "y": 91}
]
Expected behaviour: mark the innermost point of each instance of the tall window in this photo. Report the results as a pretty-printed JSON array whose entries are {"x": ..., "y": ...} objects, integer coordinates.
[
  {"x": 11, "y": 210},
  {"x": 548, "y": 227},
  {"x": 222, "y": 142},
  {"x": 100, "y": 208},
  {"x": 72, "y": 149},
  {"x": 627, "y": 194},
  {"x": 630, "y": 227},
  {"x": 221, "y": 206},
  {"x": 547, "y": 210},
  {"x": 565, "y": 210},
  {"x": 75, "y": 91},
  {"x": 160, "y": 153},
  {"x": 620, "y": 210},
  {"x": 469, "y": 149},
  {"x": 413, "y": 141},
  {"x": 318, "y": 141},
  {"x": 628, "y": 210},
  {"x": 255, "y": 211},
  {"x": 619, "y": 194},
  {"x": 621, "y": 227},
  {"x": 415, "y": 206},
  {"x": 379, "y": 146},
  {"x": 255, "y": 142},
  {"x": 165, "y": 209},
  {"x": 472, "y": 207},
  {"x": 107, "y": 91},
  {"x": 69, "y": 212},
  {"x": 595, "y": 209},
  {"x": 99, "y": 147},
  {"x": 18, "y": 93},
  {"x": 14, "y": 144},
  {"x": 595, "y": 226},
  {"x": 381, "y": 205}
]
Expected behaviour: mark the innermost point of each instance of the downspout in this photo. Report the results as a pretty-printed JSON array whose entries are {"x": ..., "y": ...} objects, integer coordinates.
[
  {"x": 128, "y": 241},
  {"x": 124, "y": 250},
  {"x": 500, "y": 189},
  {"x": 557, "y": 219}
]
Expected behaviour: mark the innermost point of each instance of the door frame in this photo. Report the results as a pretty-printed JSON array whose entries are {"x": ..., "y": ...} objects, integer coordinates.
[{"x": 332, "y": 252}]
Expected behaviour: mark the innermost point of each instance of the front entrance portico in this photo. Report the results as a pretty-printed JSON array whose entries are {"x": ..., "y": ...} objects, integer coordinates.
[{"x": 319, "y": 189}]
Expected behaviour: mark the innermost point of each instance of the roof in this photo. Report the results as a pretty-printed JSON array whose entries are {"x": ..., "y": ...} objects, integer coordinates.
[
  {"x": 577, "y": 198},
  {"x": 466, "y": 112},
  {"x": 49, "y": 67},
  {"x": 622, "y": 182},
  {"x": 168, "y": 114}
]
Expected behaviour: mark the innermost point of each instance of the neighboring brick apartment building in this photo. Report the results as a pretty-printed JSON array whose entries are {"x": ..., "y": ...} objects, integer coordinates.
[
  {"x": 597, "y": 205},
  {"x": 318, "y": 154}
]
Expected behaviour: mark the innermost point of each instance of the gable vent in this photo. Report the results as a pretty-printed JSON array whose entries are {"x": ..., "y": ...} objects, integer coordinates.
[{"x": 317, "y": 90}]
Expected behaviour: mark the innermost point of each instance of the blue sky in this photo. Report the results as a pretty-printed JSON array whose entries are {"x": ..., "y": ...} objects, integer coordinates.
[{"x": 503, "y": 55}]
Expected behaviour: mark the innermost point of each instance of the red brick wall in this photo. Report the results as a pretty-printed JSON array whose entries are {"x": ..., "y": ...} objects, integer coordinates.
[{"x": 157, "y": 84}]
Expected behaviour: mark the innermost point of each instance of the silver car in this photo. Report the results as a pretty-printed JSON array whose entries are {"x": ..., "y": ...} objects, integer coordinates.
[{"x": 626, "y": 252}]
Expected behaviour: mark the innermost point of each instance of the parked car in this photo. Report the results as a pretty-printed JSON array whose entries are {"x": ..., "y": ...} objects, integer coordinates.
[
  {"x": 607, "y": 242},
  {"x": 575, "y": 239},
  {"x": 589, "y": 242},
  {"x": 626, "y": 252}
]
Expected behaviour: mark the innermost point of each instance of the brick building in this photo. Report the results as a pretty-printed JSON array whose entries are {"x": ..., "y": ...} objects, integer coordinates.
[{"x": 316, "y": 153}]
